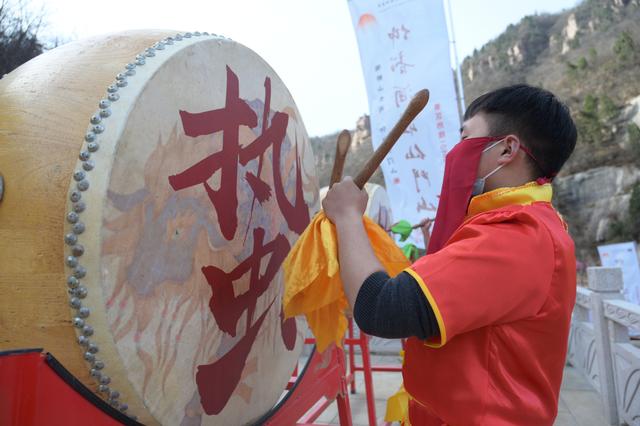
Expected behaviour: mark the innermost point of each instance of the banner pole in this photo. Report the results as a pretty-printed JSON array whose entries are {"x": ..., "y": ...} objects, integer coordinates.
[{"x": 461, "y": 101}]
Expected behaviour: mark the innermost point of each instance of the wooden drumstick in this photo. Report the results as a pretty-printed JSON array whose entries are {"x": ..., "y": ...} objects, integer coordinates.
[
  {"x": 342, "y": 147},
  {"x": 416, "y": 105}
]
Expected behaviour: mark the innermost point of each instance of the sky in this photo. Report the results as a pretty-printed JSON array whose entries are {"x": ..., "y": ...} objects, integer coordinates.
[{"x": 309, "y": 43}]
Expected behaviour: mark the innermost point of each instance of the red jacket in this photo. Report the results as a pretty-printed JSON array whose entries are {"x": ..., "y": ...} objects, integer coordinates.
[{"x": 503, "y": 289}]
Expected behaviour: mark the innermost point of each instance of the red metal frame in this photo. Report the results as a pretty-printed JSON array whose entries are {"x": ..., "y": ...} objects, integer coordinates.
[
  {"x": 367, "y": 368},
  {"x": 323, "y": 381},
  {"x": 362, "y": 341}
]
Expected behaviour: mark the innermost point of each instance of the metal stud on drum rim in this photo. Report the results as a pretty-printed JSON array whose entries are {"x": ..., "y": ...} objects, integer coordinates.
[{"x": 98, "y": 123}]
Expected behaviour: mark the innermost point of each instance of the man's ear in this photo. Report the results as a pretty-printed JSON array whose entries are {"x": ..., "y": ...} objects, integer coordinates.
[{"x": 510, "y": 149}]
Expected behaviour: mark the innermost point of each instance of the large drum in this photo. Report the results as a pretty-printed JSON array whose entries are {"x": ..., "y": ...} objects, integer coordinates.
[{"x": 153, "y": 184}]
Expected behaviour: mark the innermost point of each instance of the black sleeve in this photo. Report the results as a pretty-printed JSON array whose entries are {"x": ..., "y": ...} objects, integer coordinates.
[{"x": 394, "y": 308}]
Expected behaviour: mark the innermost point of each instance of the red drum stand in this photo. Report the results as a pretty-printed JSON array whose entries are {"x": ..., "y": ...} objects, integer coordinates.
[
  {"x": 35, "y": 389},
  {"x": 322, "y": 381}
]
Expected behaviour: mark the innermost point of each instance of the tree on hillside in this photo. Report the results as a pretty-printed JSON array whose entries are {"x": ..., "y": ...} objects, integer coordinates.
[
  {"x": 624, "y": 47},
  {"x": 18, "y": 35}
]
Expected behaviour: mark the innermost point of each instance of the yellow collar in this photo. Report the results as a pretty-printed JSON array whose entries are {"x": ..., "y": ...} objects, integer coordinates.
[{"x": 521, "y": 195}]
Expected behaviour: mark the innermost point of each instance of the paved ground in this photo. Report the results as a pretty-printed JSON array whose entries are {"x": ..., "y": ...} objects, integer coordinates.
[{"x": 579, "y": 405}]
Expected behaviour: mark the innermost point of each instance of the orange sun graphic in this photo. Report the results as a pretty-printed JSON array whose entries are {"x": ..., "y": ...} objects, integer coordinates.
[{"x": 365, "y": 20}]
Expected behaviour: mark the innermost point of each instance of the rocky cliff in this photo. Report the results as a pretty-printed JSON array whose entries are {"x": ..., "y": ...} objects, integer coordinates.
[
  {"x": 324, "y": 148},
  {"x": 590, "y": 57}
]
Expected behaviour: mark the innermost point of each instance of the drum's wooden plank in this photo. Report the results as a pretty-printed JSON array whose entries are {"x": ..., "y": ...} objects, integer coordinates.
[
  {"x": 32, "y": 251},
  {"x": 39, "y": 322}
]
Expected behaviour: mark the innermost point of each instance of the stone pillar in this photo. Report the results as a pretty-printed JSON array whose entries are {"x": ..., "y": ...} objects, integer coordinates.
[{"x": 606, "y": 284}]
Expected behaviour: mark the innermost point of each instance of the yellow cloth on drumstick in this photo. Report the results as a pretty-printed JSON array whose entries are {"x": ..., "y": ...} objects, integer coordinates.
[{"x": 313, "y": 286}]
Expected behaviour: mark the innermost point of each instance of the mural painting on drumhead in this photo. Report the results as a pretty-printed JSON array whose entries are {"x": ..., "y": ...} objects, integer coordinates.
[{"x": 197, "y": 250}]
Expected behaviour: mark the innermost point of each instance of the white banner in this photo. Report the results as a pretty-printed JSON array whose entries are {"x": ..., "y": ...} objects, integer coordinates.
[
  {"x": 624, "y": 256},
  {"x": 404, "y": 47}
]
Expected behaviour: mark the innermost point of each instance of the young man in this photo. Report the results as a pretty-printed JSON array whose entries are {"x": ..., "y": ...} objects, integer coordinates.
[{"x": 487, "y": 310}]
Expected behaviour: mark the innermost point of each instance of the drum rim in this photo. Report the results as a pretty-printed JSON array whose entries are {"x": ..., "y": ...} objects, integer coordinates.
[
  {"x": 87, "y": 393},
  {"x": 74, "y": 227}
]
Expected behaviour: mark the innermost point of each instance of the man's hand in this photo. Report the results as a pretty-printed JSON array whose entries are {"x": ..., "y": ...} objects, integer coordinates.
[
  {"x": 345, "y": 201},
  {"x": 344, "y": 205}
]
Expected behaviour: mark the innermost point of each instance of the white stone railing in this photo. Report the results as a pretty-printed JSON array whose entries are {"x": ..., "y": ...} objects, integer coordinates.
[
  {"x": 622, "y": 316},
  {"x": 582, "y": 338},
  {"x": 600, "y": 348}
]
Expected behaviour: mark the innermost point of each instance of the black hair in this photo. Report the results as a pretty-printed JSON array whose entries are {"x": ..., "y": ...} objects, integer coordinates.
[{"x": 537, "y": 117}]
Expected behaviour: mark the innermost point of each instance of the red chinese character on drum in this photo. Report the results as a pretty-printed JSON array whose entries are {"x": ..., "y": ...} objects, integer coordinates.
[
  {"x": 228, "y": 120},
  {"x": 195, "y": 233}
]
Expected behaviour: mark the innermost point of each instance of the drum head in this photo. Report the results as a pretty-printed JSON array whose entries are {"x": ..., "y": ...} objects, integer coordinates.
[{"x": 195, "y": 180}]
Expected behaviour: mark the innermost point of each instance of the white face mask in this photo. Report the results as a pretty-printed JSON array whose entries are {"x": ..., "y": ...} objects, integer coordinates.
[{"x": 478, "y": 185}]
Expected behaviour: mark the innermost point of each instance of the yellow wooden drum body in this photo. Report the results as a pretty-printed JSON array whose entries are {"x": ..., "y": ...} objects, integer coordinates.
[{"x": 143, "y": 226}]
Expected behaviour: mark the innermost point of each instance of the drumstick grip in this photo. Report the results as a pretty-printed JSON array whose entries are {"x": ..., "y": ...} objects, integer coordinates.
[
  {"x": 342, "y": 148},
  {"x": 416, "y": 105}
]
